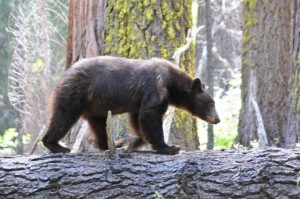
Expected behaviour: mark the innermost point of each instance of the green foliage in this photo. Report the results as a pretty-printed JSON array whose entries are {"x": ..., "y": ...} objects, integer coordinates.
[
  {"x": 224, "y": 141},
  {"x": 239, "y": 147},
  {"x": 38, "y": 65},
  {"x": 158, "y": 195},
  {"x": 254, "y": 144},
  {"x": 26, "y": 138},
  {"x": 8, "y": 142}
]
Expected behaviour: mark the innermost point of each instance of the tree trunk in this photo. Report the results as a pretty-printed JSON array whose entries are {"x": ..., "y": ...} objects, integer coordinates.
[
  {"x": 269, "y": 71},
  {"x": 293, "y": 116},
  {"x": 154, "y": 29},
  {"x": 86, "y": 24},
  {"x": 209, "y": 67},
  {"x": 263, "y": 173}
]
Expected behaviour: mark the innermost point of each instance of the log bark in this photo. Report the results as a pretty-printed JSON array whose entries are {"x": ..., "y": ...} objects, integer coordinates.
[{"x": 261, "y": 173}]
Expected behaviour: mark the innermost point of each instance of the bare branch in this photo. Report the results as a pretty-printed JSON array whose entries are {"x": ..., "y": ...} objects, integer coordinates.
[
  {"x": 261, "y": 132},
  {"x": 80, "y": 135},
  {"x": 110, "y": 136},
  {"x": 192, "y": 33}
]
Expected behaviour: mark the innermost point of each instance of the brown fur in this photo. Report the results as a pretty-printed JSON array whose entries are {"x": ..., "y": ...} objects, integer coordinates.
[{"x": 142, "y": 88}]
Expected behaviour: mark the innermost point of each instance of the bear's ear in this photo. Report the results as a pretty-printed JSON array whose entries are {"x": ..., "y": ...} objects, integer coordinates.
[{"x": 197, "y": 85}]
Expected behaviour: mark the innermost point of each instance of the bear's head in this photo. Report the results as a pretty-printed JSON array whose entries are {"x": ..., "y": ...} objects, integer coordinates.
[{"x": 201, "y": 104}]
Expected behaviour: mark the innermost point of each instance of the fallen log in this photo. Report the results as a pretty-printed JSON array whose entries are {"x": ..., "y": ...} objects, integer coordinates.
[{"x": 261, "y": 173}]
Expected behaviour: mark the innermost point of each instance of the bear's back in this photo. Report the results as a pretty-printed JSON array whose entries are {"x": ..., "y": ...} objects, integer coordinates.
[
  {"x": 121, "y": 84},
  {"x": 110, "y": 63}
]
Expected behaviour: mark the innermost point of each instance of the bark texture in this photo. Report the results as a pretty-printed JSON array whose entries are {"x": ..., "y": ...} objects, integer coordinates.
[
  {"x": 264, "y": 173},
  {"x": 293, "y": 128},
  {"x": 86, "y": 21},
  {"x": 145, "y": 29},
  {"x": 270, "y": 71}
]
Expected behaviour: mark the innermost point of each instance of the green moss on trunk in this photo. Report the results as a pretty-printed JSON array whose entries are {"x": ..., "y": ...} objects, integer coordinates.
[{"x": 250, "y": 21}]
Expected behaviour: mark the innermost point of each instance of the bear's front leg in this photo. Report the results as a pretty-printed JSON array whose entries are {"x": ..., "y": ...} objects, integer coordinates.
[{"x": 150, "y": 120}]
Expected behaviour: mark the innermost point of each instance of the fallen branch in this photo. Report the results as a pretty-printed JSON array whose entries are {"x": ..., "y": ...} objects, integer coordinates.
[
  {"x": 41, "y": 134},
  {"x": 110, "y": 136},
  {"x": 192, "y": 33},
  {"x": 82, "y": 128}
]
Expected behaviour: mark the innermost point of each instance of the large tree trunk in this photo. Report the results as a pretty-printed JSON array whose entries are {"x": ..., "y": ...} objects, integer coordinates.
[
  {"x": 263, "y": 173},
  {"x": 270, "y": 71},
  {"x": 154, "y": 29},
  {"x": 293, "y": 116},
  {"x": 86, "y": 24}
]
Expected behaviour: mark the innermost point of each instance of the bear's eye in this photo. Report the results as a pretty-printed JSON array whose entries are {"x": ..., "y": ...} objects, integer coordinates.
[{"x": 211, "y": 105}]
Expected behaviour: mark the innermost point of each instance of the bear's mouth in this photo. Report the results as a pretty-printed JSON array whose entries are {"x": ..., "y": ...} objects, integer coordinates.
[{"x": 212, "y": 120}]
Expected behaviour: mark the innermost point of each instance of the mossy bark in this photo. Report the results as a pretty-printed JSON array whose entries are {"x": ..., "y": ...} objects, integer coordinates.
[
  {"x": 151, "y": 28},
  {"x": 268, "y": 71}
]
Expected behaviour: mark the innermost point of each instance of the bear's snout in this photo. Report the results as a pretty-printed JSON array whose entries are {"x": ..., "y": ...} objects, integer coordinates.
[
  {"x": 212, "y": 120},
  {"x": 217, "y": 120}
]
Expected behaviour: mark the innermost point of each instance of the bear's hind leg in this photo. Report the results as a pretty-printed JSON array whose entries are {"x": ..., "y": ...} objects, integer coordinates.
[
  {"x": 98, "y": 127},
  {"x": 59, "y": 125}
]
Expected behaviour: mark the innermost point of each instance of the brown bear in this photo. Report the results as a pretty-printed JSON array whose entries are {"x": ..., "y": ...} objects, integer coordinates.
[{"x": 142, "y": 88}]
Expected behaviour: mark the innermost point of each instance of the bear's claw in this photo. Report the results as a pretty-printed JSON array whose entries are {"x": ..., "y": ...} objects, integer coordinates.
[{"x": 169, "y": 150}]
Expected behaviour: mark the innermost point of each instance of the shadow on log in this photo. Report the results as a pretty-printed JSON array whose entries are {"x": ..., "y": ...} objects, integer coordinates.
[{"x": 262, "y": 173}]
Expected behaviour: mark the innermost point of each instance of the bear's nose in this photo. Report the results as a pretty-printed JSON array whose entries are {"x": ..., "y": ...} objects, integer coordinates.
[{"x": 217, "y": 120}]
